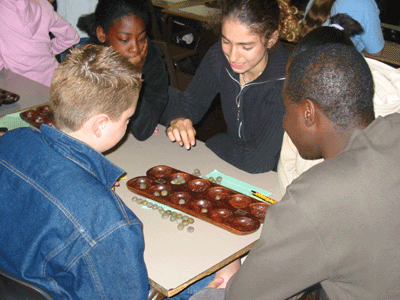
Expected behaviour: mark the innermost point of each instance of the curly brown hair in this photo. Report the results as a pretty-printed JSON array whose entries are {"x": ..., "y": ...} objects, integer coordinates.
[{"x": 263, "y": 17}]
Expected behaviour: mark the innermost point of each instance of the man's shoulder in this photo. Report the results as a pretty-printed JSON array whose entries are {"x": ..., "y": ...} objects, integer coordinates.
[
  {"x": 369, "y": 155},
  {"x": 22, "y": 131},
  {"x": 19, "y": 140}
]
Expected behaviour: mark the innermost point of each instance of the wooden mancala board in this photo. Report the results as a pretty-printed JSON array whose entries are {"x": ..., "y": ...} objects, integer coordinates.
[
  {"x": 201, "y": 198},
  {"x": 38, "y": 116},
  {"x": 7, "y": 97}
]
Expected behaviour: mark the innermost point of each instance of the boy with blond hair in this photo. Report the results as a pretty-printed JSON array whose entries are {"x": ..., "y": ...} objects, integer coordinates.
[{"x": 63, "y": 227}]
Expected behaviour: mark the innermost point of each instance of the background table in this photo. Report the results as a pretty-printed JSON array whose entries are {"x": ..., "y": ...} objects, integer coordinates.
[
  {"x": 174, "y": 258},
  {"x": 31, "y": 92},
  {"x": 195, "y": 10},
  {"x": 176, "y": 3}
]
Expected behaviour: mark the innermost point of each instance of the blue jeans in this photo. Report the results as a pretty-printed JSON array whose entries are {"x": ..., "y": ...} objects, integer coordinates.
[{"x": 194, "y": 288}]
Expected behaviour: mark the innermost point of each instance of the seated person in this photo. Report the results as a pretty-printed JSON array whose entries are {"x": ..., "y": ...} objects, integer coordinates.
[
  {"x": 63, "y": 227},
  {"x": 247, "y": 69},
  {"x": 25, "y": 44},
  {"x": 329, "y": 227},
  {"x": 386, "y": 96},
  {"x": 366, "y": 12},
  {"x": 122, "y": 25}
]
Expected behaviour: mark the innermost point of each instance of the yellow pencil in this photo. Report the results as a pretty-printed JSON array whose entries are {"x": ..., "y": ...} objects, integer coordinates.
[{"x": 263, "y": 197}]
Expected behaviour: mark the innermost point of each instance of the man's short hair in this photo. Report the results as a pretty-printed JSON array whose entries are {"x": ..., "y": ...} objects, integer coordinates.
[
  {"x": 337, "y": 78},
  {"x": 92, "y": 80}
]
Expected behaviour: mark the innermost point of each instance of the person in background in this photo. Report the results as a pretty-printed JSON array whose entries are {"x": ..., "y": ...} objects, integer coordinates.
[
  {"x": 365, "y": 12},
  {"x": 247, "y": 68},
  {"x": 71, "y": 10},
  {"x": 122, "y": 25},
  {"x": 329, "y": 227},
  {"x": 25, "y": 44}
]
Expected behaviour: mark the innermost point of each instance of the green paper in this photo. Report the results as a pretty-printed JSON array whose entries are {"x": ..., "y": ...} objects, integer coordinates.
[
  {"x": 237, "y": 185},
  {"x": 12, "y": 121}
]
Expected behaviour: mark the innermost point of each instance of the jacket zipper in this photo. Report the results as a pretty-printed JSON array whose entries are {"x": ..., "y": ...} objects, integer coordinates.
[{"x": 238, "y": 102}]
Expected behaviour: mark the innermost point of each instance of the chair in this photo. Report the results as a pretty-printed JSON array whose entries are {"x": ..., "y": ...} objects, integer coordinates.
[
  {"x": 155, "y": 32},
  {"x": 14, "y": 288},
  {"x": 178, "y": 79},
  {"x": 161, "y": 34},
  {"x": 390, "y": 54}
]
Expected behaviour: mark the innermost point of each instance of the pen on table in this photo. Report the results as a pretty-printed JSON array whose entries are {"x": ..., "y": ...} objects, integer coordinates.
[{"x": 263, "y": 197}]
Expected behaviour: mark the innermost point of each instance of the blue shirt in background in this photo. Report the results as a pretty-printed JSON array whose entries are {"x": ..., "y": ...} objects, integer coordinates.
[{"x": 366, "y": 12}]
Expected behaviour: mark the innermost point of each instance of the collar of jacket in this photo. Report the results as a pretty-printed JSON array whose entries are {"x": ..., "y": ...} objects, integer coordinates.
[{"x": 82, "y": 154}]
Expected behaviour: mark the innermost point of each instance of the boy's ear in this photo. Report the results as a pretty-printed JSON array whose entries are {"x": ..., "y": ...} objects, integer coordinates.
[
  {"x": 309, "y": 112},
  {"x": 101, "y": 35},
  {"x": 99, "y": 125}
]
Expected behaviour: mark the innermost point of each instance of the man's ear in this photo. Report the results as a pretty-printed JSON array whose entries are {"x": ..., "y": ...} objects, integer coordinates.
[
  {"x": 101, "y": 35},
  {"x": 99, "y": 124},
  {"x": 309, "y": 112}
]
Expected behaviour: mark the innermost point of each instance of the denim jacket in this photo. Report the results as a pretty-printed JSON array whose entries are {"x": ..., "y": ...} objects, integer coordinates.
[{"x": 62, "y": 227}]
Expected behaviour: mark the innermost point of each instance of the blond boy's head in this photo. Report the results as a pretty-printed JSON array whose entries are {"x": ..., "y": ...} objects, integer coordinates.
[{"x": 92, "y": 80}]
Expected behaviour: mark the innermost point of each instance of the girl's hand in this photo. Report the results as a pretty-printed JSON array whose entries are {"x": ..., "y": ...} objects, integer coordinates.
[
  {"x": 182, "y": 131},
  {"x": 140, "y": 59}
]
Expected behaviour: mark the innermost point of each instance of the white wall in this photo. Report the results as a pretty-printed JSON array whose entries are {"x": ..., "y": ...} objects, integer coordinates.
[{"x": 71, "y": 10}]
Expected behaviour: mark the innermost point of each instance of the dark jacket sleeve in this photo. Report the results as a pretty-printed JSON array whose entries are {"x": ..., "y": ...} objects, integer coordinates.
[
  {"x": 196, "y": 100},
  {"x": 153, "y": 95}
]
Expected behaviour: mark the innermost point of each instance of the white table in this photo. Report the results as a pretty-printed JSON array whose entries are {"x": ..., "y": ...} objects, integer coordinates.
[
  {"x": 31, "y": 92},
  {"x": 174, "y": 258}
]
